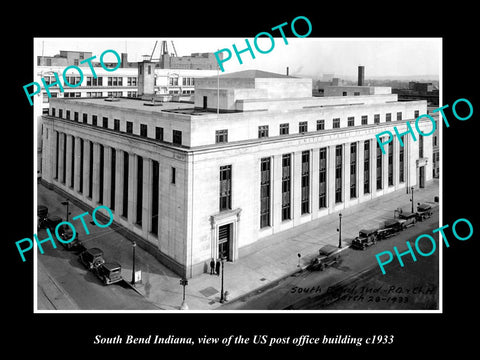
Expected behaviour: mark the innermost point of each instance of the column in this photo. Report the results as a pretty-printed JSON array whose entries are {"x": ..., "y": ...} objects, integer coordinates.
[
  {"x": 360, "y": 169},
  {"x": 119, "y": 181},
  {"x": 96, "y": 173},
  {"x": 68, "y": 148},
  {"x": 331, "y": 177},
  {"x": 107, "y": 175},
  {"x": 346, "y": 172},
  {"x": 385, "y": 168},
  {"x": 396, "y": 161},
  {"x": 147, "y": 191},
  {"x": 76, "y": 170},
  {"x": 315, "y": 181},
  {"x": 132, "y": 188},
  {"x": 86, "y": 167},
  {"x": 276, "y": 189},
  {"x": 373, "y": 167},
  {"x": 296, "y": 200},
  {"x": 61, "y": 150}
]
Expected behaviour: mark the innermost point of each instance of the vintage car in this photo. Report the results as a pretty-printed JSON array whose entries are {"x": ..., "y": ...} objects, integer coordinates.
[
  {"x": 66, "y": 233},
  {"x": 91, "y": 258},
  {"x": 395, "y": 224},
  {"x": 364, "y": 239},
  {"x": 109, "y": 272},
  {"x": 50, "y": 223},
  {"x": 424, "y": 211},
  {"x": 327, "y": 255},
  {"x": 410, "y": 218}
]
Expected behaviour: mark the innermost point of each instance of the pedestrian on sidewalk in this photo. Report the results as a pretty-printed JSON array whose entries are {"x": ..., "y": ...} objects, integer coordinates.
[
  {"x": 217, "y": 267},
  {"x": 212, "y": 266}
]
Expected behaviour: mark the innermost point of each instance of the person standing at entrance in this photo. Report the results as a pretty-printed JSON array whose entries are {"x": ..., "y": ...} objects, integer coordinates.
[
  {"x": 217, "y": 267},
  {"x": 212, "y": 266}
]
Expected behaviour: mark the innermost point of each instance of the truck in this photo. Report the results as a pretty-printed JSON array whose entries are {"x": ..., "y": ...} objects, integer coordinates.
[
  {"x": 424, "y": 211},
  {"x": 410, "y": 218},
  {"x": 327, "y": 256},
  {"x": 365, "y": 238}
]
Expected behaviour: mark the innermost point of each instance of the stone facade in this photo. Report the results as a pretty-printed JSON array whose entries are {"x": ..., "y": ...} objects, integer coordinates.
[{"x": 184, "y": 165}]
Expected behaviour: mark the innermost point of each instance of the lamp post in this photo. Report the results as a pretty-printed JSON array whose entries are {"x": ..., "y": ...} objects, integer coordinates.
[
  {"x": 412, "y": 188},
  {"x": 184, "y": 282},
  {"x": 222, "y": 296},
  {"x": 66, "y": 203},
  {"x": 340, "y": 231},
  {"x": 134, "y": 244}
]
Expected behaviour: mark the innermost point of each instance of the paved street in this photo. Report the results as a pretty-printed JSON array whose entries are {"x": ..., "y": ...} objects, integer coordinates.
[
  {"x": 260, "y": 265},
  {"x": 301, "y": 290}
]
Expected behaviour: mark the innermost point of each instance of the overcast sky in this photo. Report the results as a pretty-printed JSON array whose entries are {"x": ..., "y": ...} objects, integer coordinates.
[{"x": 303, "y": 56}]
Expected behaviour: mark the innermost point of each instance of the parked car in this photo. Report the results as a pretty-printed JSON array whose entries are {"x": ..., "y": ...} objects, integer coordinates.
[
  {"x": 385, "y": 233},
  {"x": 66, "y": 233},
  {"x": 410, "y": 218},
  {"x": 327, "y": 256},
  {"x": 109, "y": 272},
  {"x": 364, "y": 239},
  {"x": 424, "y": 211},
  {"x": 50, "y": 223},
  {"x": 395, "y": 224},
  {"x": 91, "y": 258}
]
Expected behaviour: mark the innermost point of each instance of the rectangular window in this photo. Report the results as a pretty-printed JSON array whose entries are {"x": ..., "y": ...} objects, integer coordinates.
[
  {"x": 105, "y": 122},
  {"x": 379, "y": 168},
  {"x": 420, "y": 147},
  {"x": 401, "y": 162},
  {"x": 351, "y": 121},
  {"x": 68, "y": 114},
  {"x": 336, "y": 123},
  {"x": 143, "y": 130},
  {"x": 364, "y": 119},
  {"x": 366, "y": 167},
  {"x": 399, "y": 115},
  {"x": 322, "y": 203},
  {"x": 264, "y": 192},
  {"x": 286, "y": 186},
  {"x": 388, "y": 117},
  {"x": 416, "y": 114},
  {"x": 320, "y": 125},
  {"x": 159, "y": 133},
  {"x": 53, "y": 111},
  {"x": 302, "y": 127},
  {"x": 155, "y": 190},
  {"x": 284, "y": 129},
  {"x": 60, "y": 113},
  {"x": 116, "y": 124},
  {"x": 126, "y": 177},
  {"x": 85, "y": 118},
  {"x": 353, "y": 170},
  {"x": 262, "y": 131},
  {"x": 305, "y": 182},
  {"x": 75, "y": 116},
  {"x": 94, "y": 120},
  {"x": 139, "y": 209},
  {"x": 173, "y": 179},
  {"x": 129, "y": 127},
  {"x": 177, "y": 137},
  {"x": 338, "y": 173},
  {"x": 225, "y": 187},
  {"x": 376, "y": 119},
  {"x": 221, "y": 136},
  {"x": 390, "y": 163}
]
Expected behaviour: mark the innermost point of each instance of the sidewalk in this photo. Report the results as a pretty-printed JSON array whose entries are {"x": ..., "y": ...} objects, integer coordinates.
[{"x": 268, "y": 260}]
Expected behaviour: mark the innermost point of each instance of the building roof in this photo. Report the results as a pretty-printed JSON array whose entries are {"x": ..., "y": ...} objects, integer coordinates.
[{"x": 254, "y": 74}]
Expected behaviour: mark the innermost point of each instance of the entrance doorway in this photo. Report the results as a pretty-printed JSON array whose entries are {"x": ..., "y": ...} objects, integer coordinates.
[
  {"x": 422, "y": 176},
  {"x": 224, "y": 241},
  {"x": 205, "y": 103}
]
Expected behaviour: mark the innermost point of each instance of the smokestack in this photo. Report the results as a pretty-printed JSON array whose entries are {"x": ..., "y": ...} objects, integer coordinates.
[
  {"x": 361, "y": 75},
  {"x": 287, "y": 70}
]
